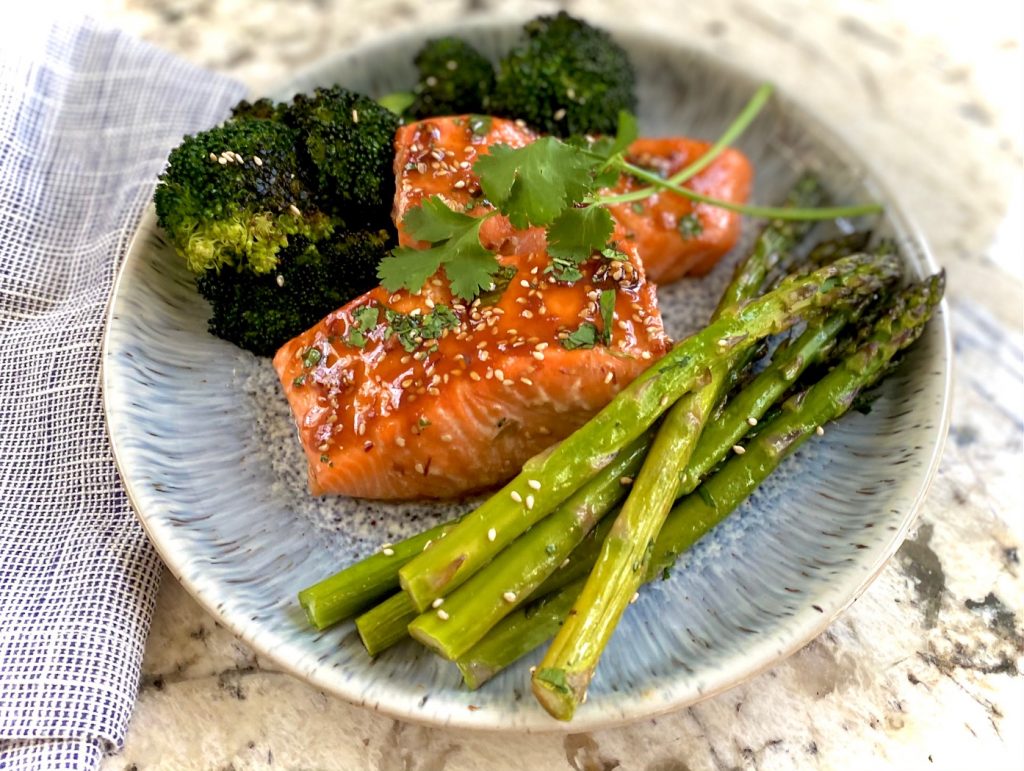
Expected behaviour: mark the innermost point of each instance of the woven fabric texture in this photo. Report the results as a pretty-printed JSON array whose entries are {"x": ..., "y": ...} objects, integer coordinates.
[{"x": 87, "y": 116}]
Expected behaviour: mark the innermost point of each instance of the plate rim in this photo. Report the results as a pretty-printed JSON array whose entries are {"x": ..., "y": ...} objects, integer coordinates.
[{"x": 829, "y": 134}]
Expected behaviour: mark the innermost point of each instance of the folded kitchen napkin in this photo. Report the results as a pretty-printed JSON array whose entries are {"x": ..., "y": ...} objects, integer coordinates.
[{"x": 87, "y": 116}]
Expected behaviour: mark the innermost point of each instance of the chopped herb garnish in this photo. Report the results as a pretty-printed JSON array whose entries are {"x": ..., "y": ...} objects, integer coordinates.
[
  {"x": 550, "y": 548},
  {"x": 690, "y": 226},
  {"x": 480, "y": 125},
  {"x": 412, "y": 331},
  {"x": 607, "y": 305},
  {"x": 637, "y": 207},
  {"x": 564, "y": 270},
  {"x": 614, "y": 254},
  {"x": 585, "y": 336},
  {"x": 324, "y": 459},
  {"x": 423, "y": 423},
  {"x": 502, "y": 279},
  {"x": 300, "y": 380},
  {"x": 365, "y": 321},
  {"x": 312, "y": 358}
]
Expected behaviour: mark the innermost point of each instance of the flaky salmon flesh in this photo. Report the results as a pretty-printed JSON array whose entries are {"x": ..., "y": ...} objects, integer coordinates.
[{"x": 404, "y": 395}]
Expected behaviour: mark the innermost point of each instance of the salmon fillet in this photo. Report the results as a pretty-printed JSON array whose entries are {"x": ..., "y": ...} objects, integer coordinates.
[
  {"x": 445, "y": 397},
  {"x": 674, "y": 236}
]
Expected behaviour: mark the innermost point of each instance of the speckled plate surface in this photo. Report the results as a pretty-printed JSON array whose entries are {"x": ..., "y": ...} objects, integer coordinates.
[{"x": 204, "y": 442}]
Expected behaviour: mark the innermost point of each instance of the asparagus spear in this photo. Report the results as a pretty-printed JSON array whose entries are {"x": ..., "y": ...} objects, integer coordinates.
[
  {"x": 359, "y": 585},
  {"x": 517, "y": 634},
  {"x": 549, "y": 478},
  {"x": 560, "y": 682},
  {"x": 385, "y": 624},
  {"x": 472, "y": 609}
]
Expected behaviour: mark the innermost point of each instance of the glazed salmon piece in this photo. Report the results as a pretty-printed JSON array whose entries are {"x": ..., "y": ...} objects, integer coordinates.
[
  {"x": 410, "y": 395},
  {"x": 674, "y": 236}
]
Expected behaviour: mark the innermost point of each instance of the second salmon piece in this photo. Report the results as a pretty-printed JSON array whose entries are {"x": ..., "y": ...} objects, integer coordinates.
[{"x": 419, "y": 394}]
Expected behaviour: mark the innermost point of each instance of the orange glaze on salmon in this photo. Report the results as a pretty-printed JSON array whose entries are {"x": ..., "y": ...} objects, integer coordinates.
[
  {"x": 669, "y": 245},
  {"x": 406, "y": 418}
]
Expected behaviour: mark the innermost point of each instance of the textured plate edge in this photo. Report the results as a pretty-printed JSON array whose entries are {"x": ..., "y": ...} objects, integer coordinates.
[{"x": 830, "y": 136}]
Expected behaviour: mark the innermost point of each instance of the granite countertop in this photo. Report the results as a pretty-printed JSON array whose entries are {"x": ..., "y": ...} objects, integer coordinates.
[{"x": 924, "y": 670}]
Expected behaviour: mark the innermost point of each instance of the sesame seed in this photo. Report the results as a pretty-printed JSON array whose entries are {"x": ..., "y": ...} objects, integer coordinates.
[
  {"x": 634, "y": 598},
  {"x": 492, "y": 534},
  {"x": 529, "y": 501},
  {"x": 442, "y": 614},
  {"x": 625, "y": 481},
  {"x": 538, "y": 355},
  {"x": 213, "y": 157},
  {"x": 324, "y": 447},
  {"x": 820, "y": 431},
  {"x": 280, "y": 280},
  {"x": 544, "y": 430},
  {"x": 516, "y": 496},
  {"x": 564, "y": 562},
  {"x": 367, "y": 446},
  {"x": 459, "y": 184},
  {"x": 526, "y": 381},
  {"x": 739, "y": 449},
  {"x": 400, "y": 441},
  {"x": 524, "y": 283},
  {"x": 541, "y": 346},
  {"x": 751, "y": 421},
  {"x": 419, "y": 468},
  {"x": 499, "y": 374},
  {"x": 430, "y": 303},
  {"x": 446, "y": 437},
  {"x": 437, "y": 603},
  {"x": 474, "y": 376},
  {"x": 484, "y": 356},
  {"x": 609, "y": 377},
  {"x": 532, "y": 670},
  {"x": 559, "y": 113},
  {"x": 355, "y": 116},
  {"x": 222, "y": 161},
  {"x": 427, "y": 545},
  {"x": 509, "y": 596},
  {"x": 645, "y": 355},
  {"x": 294, "y": 210},
  {"x": 257, "y": 160},
  {"x": 507, "y": 382}
]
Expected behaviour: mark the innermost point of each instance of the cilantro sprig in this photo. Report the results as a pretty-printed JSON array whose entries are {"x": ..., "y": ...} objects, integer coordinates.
[{"x": 557, "y": 185}]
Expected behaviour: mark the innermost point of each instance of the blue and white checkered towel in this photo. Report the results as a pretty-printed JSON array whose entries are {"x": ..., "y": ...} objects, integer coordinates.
[{"x": 87, "y": 116}]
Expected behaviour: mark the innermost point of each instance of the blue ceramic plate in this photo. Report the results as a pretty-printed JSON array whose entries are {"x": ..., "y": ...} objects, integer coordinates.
[{"x": 210, "y": 460}]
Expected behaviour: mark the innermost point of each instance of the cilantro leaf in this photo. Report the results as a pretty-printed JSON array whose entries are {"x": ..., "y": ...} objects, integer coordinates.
[
  {"x": 585, "y": 336},
  {"x": 577, "y": 233},
  {"x": 607, "y": 305},
  {"x": 408, "y": 268},
  {"x": 456, "y": 246},
  {"x": 534, "y": 183},
  {"x": 433, "y": 221},
  {"x": 365, "y": 319}
]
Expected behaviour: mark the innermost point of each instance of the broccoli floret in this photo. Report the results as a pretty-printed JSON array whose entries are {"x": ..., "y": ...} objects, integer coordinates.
[
  {"x": 346, "y": 144},
  {"x": 566, "y": 78},
  {"x": 262, "y": 312},
  {"x": 261, "y": 109},
  {"x": 235, "y": 195},
  {"x": 454, "y": 78}
]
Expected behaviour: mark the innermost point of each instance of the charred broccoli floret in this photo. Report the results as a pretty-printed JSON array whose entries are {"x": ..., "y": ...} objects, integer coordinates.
[
  {"x": 454, "y": 78},
  {"x": 261, "y": 109},
  {"x": 262, "y": 312},
  {"x": 566, "y": 78},
  {"x": 346, "y": 145},
  {"x": 235, "y": 195}
]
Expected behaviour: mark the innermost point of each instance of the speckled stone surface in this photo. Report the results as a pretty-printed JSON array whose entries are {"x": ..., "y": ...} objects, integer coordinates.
[{"x": 924, "y": 670}]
